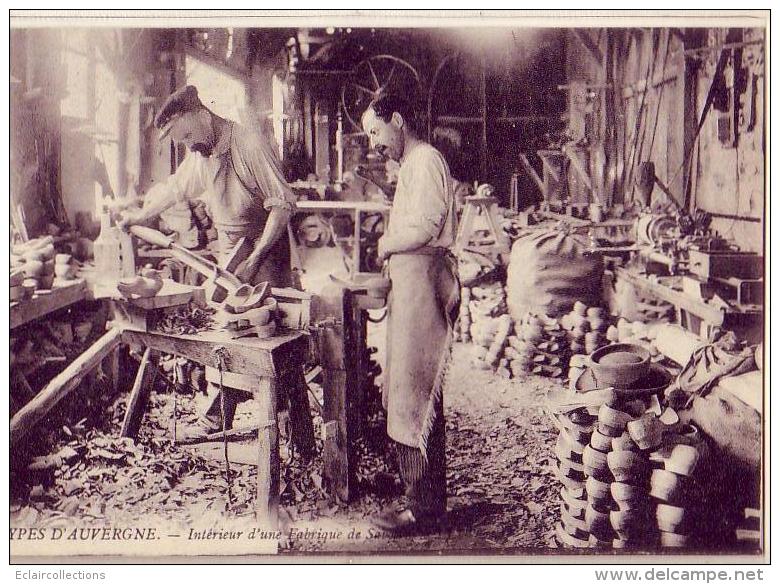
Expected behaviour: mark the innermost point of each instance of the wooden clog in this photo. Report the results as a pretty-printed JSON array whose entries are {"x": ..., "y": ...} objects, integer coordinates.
[
  {"x": 569, "y": 483},
  {"x": 594, "y": 458},
  {"x": 63, "y": 271},
  {"x": 564, "y": 450},
  {"x": 601, "y": 442},
  {"x": 569, "y": 540},
  {"x": 614, "y": 417},
  {"x": 667, "y": 486},
  {"x": 627, "y": 466},
  {"x": 33, "y": 268},
  {"x": 598, "y": 523},
  {"x": 247, "y": 297},
  {"x": 624, "y": 442},
  {"x": 674, "y": 540},
  {"x": 140, "y": 286},
  {"x": 597, "y": 490},
  {"x": 673, "y": 519},
  {"x": 647, "y": 432},
  {"x": 597, "y": 543},
  {"x": 573, "y": 518},
  {"x": 628, "y": 524},
  {"x": 571, "y": 470},
  {"x": 628, "y": 496},
  {"x": 681, "y": 459}
]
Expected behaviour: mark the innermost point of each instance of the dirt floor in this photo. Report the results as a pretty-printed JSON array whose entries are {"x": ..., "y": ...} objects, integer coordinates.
[{"x": 502, "y": 496}]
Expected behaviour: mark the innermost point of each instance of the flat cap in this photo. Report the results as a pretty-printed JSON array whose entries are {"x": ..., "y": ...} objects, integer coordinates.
[{"x": 181, "y": 101}]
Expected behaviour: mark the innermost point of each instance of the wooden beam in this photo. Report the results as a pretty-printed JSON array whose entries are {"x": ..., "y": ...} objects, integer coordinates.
[
  {"x": 267, "y": 500},
  {"x": 690, "y": 115},
  {"x": 249, "y": 356},
  {"x": 589, "y": 44},
  {"x": 533, "y": 174},
  {"x": 62, "y": 385},
  {"x": 139, "y": 397}
]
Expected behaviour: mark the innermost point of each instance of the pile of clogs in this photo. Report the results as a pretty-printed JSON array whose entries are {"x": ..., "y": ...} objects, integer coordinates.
[
  {"x": 576, "y": 428},
  {"x": 627, "y": 475},
  {"x": 540, "y": 346},
  {"x": 32, "y": 267},
  {"x": 586, "y": 327}
]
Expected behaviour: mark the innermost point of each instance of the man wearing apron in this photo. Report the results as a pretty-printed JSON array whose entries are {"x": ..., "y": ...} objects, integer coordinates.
[
  {"x": 422, "y": 307},
  {"x": 235, "y": 170}
]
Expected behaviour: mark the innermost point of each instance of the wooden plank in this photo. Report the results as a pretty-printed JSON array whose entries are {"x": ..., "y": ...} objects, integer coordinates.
[
  {"x": 267, "y": 500},
  {"x": 251, "y": 356},
  {"x": 171, "y": 294},
  {"x": 533, "y": 174},
  {"x": 589, "y": 44},
  {"x": 712, "y": 315},
  {"x": 341, "y": 206},
  {"x": 59, "y": 387},
  {"x": 42, "y": 304},
  {"x": 139, "y": 397}
]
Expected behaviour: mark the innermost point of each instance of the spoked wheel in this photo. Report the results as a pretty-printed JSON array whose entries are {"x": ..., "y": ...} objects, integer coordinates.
[{"x": 376, "y": 76}]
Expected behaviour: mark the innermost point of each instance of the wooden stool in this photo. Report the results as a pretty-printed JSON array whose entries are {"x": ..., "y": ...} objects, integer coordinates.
[{"x": 476, "y": 206}]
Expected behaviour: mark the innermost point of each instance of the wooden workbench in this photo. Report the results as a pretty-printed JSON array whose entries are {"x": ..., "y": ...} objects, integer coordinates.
[
  {"x": 693, "y": 313},
  {"x": 268, "y": 359},
  {"x": 44, "y": 302}
]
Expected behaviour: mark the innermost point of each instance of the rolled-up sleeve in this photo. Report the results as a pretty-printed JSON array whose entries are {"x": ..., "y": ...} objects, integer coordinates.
[
  {"x": 187, "y": 182},
  {"x": 190, "y": 180},
  {"x": 262, "y": 164}
]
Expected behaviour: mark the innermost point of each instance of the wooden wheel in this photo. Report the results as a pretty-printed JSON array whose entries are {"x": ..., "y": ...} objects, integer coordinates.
[{"x": 373, "y": 77}]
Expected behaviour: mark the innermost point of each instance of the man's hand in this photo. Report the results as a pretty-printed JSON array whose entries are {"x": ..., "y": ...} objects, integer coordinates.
[
  {"x": 248, "y": 268},
  {"x": 130, "y": 217},
  {"x": 383, "y": 251}
]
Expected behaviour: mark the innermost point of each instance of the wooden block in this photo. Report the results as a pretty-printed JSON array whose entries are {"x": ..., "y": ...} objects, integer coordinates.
[{"x": 245, "y": 381}]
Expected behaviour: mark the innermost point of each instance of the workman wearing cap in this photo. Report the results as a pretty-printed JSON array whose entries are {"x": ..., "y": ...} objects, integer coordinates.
[
  {"x": 235, "y": 170},
  {"x": 422, "y": 306}
]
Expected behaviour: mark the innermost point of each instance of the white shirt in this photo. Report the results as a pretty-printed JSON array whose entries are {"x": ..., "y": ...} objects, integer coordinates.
[{"x": 424, "y": 197}]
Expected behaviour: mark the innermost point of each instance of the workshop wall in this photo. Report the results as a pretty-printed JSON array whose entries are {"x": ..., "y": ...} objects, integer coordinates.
[
  {"x": 730, "y": 176},
  {"x": 36, "y": 88},
  {"x": 648, "y": 71}
]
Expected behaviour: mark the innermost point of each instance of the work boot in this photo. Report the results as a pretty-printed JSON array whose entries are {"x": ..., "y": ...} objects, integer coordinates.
[{"x": 401, "y": 518}]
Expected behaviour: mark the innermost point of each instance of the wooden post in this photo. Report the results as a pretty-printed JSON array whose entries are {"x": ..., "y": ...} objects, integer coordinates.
[
  {"x": 483, "y": 142},
  {"x": 139, "y": 397},
  {"x": 267, "y": 501},
  {"x": 693, "y": 39},
  {"x": 62, "y": 385},
  {"x": 335, "y": 449},
  {"x": 300, "y": 413}
]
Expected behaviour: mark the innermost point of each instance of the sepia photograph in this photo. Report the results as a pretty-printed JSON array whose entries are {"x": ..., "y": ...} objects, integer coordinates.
[{"x": 383, "y": 286}]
